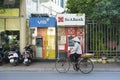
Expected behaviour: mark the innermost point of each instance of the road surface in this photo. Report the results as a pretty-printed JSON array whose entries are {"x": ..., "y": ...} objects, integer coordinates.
[{"x": 59, "y": 76}]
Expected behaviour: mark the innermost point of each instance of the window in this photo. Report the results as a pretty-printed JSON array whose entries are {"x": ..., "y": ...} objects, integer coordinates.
[
  {"x": 62, "y": 3},
  {"x": 1, "y": 3},
  {"x": 9, "y": 3},
  {"x": 70, "y": 42}
]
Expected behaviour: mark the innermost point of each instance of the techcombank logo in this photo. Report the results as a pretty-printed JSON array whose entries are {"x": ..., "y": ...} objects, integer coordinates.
[{"x": 60, "y": 19}]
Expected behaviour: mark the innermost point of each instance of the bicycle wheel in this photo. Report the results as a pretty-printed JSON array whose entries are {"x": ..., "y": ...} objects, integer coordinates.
[
  {"x": 62, "y": 65},
  {"x": 86, "y": 65}
]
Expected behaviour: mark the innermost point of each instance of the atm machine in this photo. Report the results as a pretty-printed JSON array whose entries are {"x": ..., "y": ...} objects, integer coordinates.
[{"x": 39, "y": 46}]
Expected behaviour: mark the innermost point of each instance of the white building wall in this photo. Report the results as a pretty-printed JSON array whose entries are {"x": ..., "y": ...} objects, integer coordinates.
[
  {"x": 34, "y": 6},
  {"x": 31, "y": 7}
]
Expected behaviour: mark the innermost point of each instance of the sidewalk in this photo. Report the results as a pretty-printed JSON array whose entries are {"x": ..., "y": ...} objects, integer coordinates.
[{"x": 50, "y": 67}]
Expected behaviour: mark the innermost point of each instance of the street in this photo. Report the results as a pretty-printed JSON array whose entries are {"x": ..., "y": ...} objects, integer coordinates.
[{"x": 59, "y": 76}]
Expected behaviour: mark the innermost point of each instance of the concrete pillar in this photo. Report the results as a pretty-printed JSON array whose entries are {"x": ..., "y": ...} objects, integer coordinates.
[
  {"x": 28, "y": 33},
  {"x": 22, "y": 25}
]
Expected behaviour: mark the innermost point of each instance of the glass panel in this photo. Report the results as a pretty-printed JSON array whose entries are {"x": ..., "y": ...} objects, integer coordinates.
[
  {"x": 70, "y": 42},
  {"x": 12, "y": 24},
  {"x": 2, "y": 25}
]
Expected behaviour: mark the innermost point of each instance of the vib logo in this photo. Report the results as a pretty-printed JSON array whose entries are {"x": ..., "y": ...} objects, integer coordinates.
[{"x": 43, "y": 21}]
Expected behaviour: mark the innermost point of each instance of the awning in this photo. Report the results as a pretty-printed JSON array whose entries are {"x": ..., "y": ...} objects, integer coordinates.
[{"x": 53, "y": 7}]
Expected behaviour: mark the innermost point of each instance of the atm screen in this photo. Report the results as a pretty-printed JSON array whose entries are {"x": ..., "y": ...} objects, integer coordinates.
[{"x": 39, "y": 42}]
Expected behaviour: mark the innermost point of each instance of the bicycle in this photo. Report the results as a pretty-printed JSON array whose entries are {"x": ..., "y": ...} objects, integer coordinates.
[{"x": 84, "y": 64}]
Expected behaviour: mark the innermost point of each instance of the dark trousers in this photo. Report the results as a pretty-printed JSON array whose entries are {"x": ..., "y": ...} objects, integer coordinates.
[{"x": 74, "y": 57}]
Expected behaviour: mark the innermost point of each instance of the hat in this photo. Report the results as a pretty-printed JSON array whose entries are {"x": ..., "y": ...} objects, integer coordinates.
[{"x": 76, "y": 39}]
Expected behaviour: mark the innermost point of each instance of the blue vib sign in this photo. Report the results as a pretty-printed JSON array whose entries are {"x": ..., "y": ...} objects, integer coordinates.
[{"x": 42, "y": 22}]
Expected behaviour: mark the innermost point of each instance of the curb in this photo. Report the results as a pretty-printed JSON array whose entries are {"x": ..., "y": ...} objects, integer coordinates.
[{"x": 9, "y": 69}]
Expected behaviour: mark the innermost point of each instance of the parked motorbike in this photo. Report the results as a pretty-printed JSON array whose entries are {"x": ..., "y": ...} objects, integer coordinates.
[
  {"x": 1, "y": 59},
  {"x": 27, "y": 55},
  {"x": 13, "y": 55},
  {"x": 1, "y": 55}
]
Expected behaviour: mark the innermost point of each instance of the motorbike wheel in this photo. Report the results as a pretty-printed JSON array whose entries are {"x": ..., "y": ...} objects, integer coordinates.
[
  {"x": 27, "y": 64},
  {"x": 1, "y": 61},
  {"x": 15, "y": 63}
]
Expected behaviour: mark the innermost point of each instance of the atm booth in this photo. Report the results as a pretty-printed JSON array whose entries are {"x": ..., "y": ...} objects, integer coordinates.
[
  {"x": 70, "y": 26},
  {"x": 45, "y": 39}
]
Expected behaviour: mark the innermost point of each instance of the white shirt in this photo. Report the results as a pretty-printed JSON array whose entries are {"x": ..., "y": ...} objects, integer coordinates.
[{"x": 76, "y": 49}]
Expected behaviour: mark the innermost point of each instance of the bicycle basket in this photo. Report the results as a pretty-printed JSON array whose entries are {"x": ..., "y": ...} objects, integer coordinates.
[{"x": 87, "y": 55}]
